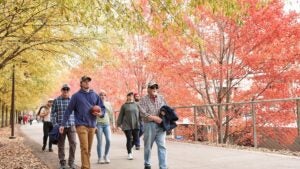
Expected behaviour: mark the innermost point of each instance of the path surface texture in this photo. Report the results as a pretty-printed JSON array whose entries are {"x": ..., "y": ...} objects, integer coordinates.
[{"x": 180, "y": 155}]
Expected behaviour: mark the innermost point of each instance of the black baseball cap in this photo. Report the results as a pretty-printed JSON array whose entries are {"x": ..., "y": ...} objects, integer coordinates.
[{"x": 85, "y": 78}]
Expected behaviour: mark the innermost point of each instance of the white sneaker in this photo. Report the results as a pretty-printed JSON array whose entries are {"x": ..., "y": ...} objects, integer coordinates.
[
  {"x": 106, "y": 159},
  {"x": 130, "y": 157},
  {"x": 101, "y": 161}
]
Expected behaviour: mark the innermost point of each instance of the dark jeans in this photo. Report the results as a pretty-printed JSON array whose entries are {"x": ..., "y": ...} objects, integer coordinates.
[
  {"x": 70, "y": 132},
  {"x": 47, "y": 127},
  {"x": 135, "y": 134}
]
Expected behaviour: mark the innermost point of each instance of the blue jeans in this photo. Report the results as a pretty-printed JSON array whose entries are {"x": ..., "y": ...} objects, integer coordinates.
[
  {"x": 138, "y": 142},
  {"x": 152, "y": 132},
  {"x": 103, "y": 129}
]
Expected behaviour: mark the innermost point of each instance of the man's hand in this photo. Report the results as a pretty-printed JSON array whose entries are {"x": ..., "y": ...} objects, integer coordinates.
[
  {"x": 61, "y": 129},
  {"x": 97, "y": 113},
  {"x": 156, "y": 119}
]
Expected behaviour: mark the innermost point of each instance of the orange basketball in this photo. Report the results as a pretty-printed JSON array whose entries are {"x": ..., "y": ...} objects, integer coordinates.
[{"x": 95, "y": 109}]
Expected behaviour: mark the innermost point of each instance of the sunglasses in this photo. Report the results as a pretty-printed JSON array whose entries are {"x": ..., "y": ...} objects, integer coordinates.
[
  {"x": 153, "y": 87},
  {"x": 103, "y": 95},
  {"x": 65, "y": 89}
]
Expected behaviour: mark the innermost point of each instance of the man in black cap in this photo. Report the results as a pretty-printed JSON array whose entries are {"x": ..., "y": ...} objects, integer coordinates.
[
  {"x": 59, "y": 107},
  {"x": 150, "y": 108}
]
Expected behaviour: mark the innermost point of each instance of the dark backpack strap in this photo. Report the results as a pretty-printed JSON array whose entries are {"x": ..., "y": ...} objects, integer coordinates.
[{"x": 39, "y": 112}]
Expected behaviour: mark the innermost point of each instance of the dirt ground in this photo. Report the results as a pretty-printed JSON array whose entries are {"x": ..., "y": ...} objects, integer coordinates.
[{"x": 15, "y": 154}]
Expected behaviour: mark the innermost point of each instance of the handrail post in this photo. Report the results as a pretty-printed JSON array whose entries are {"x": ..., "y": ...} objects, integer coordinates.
[
  {"x": 220, "y": 121},
  {"x": 254, "y": 124},
  {"x": 174, "y": 133},
  {"x": 298, "y": 115},
  {"x": 195, "y": 124}
]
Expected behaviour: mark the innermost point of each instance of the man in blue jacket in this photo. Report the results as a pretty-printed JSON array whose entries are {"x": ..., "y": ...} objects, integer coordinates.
[{"x": 82, "y": 103}]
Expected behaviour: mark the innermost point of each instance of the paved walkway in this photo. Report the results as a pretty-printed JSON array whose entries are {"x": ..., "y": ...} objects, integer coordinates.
[{"x": 180, "y": 155}]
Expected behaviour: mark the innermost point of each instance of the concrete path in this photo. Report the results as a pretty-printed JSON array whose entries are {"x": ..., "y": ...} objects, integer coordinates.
[{"x": 180, "y": 155}]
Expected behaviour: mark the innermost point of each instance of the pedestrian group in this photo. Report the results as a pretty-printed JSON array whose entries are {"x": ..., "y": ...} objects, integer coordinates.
[{"x": 87, "y": 113}]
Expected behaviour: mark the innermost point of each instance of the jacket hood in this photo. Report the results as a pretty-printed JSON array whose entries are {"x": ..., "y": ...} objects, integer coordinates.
[{"x": 83, "y": 91}]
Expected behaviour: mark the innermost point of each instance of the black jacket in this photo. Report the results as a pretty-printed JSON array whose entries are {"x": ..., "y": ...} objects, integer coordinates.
[{"x": 168, "y": 120}]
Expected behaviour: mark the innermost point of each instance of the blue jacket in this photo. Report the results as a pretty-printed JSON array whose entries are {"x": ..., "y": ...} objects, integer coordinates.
[
  {"x": 168, "y": 120},
  {"x": 81, "y": 103}
]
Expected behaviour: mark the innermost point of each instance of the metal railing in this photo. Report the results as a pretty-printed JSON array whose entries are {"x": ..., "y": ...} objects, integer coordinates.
[{"x": 273, "y": 124}]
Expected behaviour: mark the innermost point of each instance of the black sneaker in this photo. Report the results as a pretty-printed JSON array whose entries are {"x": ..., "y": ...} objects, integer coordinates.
[
  {"x": 147, "y": 167},
  {"x": 137, "y": 148},
  {"x": 50, "y": 150},
  {"x": 43, "y": 148}
]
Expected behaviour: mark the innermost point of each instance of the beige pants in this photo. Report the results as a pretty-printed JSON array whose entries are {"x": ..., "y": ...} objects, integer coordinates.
[{"x": 86, "y": 136}]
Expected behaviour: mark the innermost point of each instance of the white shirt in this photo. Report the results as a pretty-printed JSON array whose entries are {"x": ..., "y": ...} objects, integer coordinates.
[{"x": 45, "y": 113}]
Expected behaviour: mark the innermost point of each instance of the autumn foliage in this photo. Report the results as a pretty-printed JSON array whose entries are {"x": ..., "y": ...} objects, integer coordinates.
[{"x": 199, "y": 54}]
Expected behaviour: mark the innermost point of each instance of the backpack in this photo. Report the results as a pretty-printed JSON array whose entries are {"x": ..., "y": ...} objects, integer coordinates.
[{"x": 54, "y": 134}]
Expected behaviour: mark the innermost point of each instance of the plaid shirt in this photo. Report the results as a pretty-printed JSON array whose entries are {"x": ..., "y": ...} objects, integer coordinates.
[
  {"x": 58, "y": 109},
  {"x": 151, "y": 106}
]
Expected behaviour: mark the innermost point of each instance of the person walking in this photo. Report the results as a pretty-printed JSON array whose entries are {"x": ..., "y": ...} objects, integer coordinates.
[
  {"x": 47, "y": 125},
  {"x": 30, "y": 119},
  {"x": 25, "y": 119},
  {"x": 141, "y": 131},
  {"x": 58, "y": 109},
  {"x": 103, "y": 128},
  {"x": 128, "y": 120},
  {"x": 87, "y": 106},
  {"x": 149, "y": 107},
  {"x": 20, "y": 118}
]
